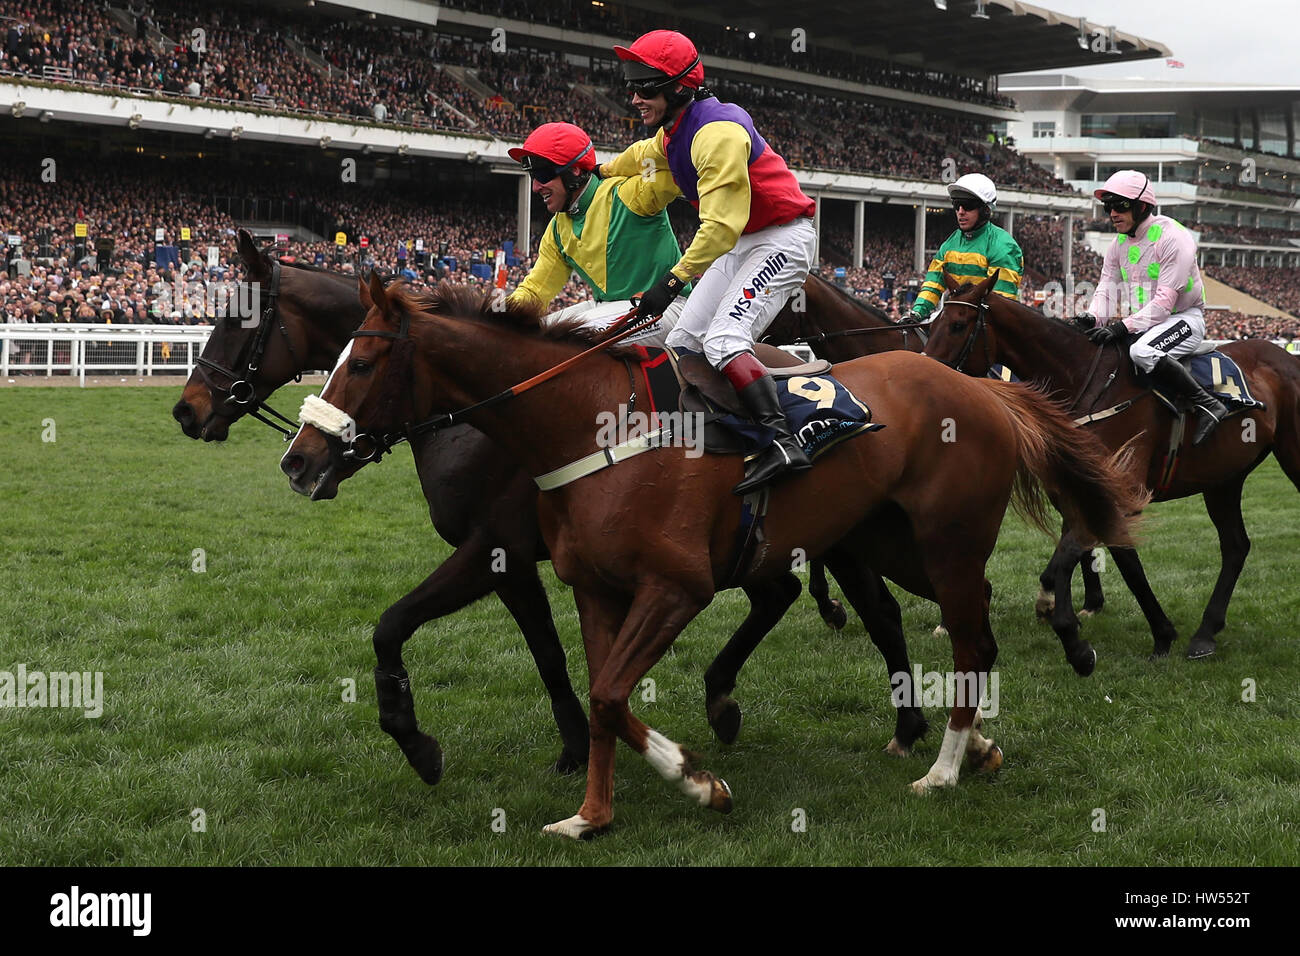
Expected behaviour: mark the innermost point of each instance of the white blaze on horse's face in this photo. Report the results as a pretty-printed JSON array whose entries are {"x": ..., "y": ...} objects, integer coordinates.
[{"x": 312, "y": 416}]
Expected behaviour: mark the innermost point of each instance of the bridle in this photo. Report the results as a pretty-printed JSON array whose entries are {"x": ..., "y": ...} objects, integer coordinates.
[
  {"x": 241, "y": 391},
  {"x": 374, "y": 445},
  {"x": 981, "y": 328}
]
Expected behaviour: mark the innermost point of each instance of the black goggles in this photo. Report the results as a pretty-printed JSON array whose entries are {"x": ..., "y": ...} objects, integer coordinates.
[
  {"x": 1114, "y": 203},
  {"x": 646, "y": 89},
  {"x": 971, "y": 205},
  {"x": 541, "y": 169}
]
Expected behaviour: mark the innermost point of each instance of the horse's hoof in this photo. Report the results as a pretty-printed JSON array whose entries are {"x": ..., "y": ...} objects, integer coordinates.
[
  {"x": 1200, "y": 648},
  {"x": 575, "y": 828},
  {"x": 895, "y": 749},
  {"x": 426, "y": 757},
  {"x": 568, "y": 763},
  {"x": 921, "y": 787},
  {"x": 1158, "y": 654},
  {"x": 836, "y": 617},
  {"x": 1084, "y": 664},
  {"x": 1084, "y": 614},
  {"x": 940, "y": 631},
  {"x": 725, "y": 719},
  {"x": 720, "y": 799},
  {"x": 988, "y": 762}
]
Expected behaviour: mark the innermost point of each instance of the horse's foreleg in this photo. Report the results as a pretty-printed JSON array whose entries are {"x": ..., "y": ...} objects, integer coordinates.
[
  {"x": 524, "y": 596},
  {"x": 461, "y": 579},
  {"x": 1163, "y": 632},
  {"x": 1093, "y": 597},
  {"x": 1064, "y": 622},
  {"x": 832, "y": 611},
  {"x": 1224, "y": 506},
  {"x": 768, "y": 604},
  {"x": 883, "y": 619}
]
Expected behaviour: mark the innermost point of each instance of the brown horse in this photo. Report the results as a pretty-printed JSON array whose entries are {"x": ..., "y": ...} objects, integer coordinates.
[
  {"x": 480, "y": 502},
  {"x": 646, "y": 544},
  {"x": 980, "y": 329}
]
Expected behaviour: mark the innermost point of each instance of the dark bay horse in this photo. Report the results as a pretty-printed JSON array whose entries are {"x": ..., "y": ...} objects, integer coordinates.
[
  {"x": 983, "y": 329},
  {"x": 901, "y": 498},
  {"x": 479, "y": 502}
]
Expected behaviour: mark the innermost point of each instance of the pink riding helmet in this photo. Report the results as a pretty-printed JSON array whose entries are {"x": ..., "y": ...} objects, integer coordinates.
[{"x": 1130, "y": 184}]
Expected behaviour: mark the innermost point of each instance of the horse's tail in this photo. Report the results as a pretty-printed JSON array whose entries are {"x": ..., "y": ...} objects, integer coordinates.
[{"x": 1091, "y": 489}]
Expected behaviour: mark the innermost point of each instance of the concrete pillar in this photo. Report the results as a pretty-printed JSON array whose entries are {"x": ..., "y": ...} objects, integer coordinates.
[
  {"x": 1160, "y": 171},
  {"x": 817, "y": 227},
  {"x": 859, "y": 223},
  {"x": 918, "y": 253},
  {"x": 1067, "y": 244},
  {"x": 523, "y": 210},
  {"x": 1009, "y": 221}
]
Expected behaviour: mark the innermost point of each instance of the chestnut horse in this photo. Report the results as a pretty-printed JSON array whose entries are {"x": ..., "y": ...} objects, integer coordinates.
[
  {"x": 646, "y": 544},
  {"x": 479, "y": 502},
  {"x": 981, "y": 329}
]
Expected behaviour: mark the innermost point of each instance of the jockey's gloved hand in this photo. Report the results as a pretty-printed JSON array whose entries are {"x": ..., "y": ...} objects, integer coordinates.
[
  {"x": 656, "y": 300},
  {"x": 1112, "y": 332},
  {"x": 1086, "y": 321}
]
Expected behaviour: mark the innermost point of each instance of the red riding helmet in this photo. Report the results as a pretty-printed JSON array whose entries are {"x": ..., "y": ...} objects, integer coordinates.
[
  {"x": 562, "y": 145},
  {"x": 665, "y": 55}
]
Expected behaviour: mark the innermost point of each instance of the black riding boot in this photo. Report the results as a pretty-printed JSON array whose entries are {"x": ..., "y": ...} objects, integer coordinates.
[
  {"x": 785, "y": 454},
  {"x": 1169, "y": 374}
]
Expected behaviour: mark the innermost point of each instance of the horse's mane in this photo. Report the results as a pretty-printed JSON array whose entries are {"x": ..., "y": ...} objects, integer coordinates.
[{"x": 465, "y": 302}]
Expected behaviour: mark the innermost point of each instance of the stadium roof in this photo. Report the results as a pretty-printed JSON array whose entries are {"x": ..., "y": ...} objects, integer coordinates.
[
  {"x": 1015, "y": 37},
  {"x": 1055, "y": 91}
]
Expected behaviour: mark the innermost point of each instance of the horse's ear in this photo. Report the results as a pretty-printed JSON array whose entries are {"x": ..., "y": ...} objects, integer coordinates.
[
  {"x": 363, "y": 291},
  {"x": 256, "y": 264},
  {"x": 985, "y": 287},
  {"x": 952, "y": 284},
  {"x": 377, "y": 294}
]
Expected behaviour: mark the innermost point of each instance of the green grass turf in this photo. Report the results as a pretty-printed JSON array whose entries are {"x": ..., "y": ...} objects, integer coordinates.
[{"x": 224, "y": 689}]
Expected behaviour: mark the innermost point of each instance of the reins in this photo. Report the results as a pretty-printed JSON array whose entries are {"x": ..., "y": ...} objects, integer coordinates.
[{"x": 622, "y": 328}]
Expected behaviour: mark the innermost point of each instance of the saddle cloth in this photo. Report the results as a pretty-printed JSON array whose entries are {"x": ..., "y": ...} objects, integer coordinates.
[
  {"x": 821, "y": 411},
  {"x": 1218, "y": 374}
]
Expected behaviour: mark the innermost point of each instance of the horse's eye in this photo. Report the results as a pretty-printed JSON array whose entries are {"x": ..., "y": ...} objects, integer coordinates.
[
  {"x": 959, "y": 326},
  {"x": 358, "y": 366}
]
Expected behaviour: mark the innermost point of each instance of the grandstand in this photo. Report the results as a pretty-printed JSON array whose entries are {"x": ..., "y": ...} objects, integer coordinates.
[{"x": 386, "y": 124}]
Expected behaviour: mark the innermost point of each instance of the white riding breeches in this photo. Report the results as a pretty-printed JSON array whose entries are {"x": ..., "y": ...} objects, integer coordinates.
[
  {"x": 741, "y": 293},
  {"x": 1176, "y": 336}
]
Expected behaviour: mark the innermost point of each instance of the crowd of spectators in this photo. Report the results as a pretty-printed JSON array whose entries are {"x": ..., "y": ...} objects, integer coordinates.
[
  {"x": 777, "y": 49},
  {"x": 1267, "y": 283},
  {"x": 389, "y": 75}
]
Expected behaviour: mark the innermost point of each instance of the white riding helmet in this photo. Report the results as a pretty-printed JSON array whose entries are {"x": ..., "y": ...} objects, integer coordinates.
[{"x": 977, "y": 185}]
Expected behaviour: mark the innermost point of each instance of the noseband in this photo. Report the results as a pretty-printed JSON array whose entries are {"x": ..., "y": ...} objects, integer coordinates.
[{"x": 242, "y": 392}]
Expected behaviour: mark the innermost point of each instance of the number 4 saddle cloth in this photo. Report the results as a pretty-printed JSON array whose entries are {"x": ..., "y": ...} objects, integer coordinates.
[
  {"x": 1218, "y": 374},
  {"x": 822, "y": 412}
]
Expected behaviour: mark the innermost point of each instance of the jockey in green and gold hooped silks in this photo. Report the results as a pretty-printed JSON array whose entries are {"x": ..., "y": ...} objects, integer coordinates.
[
  {"x": 978, "y": 248},
  {"x": 613, "y": 232},
  {"x": 756, "y": 239},
  {"x": 1151, "y": 267}
]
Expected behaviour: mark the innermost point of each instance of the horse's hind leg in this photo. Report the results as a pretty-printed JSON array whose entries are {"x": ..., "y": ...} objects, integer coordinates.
[
  {"x": 960, "y": 587},
  {"x": 883, "y": 619},
  {"x": 1093, "y": 598},
  {"x": 832, "y": 611},
  {"x": 1224, "y": 506},
  {"x": 768, "y": 604}
]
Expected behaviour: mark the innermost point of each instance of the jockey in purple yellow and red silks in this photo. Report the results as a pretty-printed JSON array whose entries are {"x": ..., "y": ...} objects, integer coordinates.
[{"x": 756, "y": 240}]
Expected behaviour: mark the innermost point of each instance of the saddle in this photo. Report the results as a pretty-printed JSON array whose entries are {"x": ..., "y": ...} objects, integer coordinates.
[{"x": 705, "y": 389}]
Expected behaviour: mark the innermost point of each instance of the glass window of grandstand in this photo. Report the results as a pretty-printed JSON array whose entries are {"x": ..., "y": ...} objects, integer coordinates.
[
  {"x": 1272, "y": 132},
  {"x": 1044, "y": 129},
  {"x": 1130, "y": 125}
]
